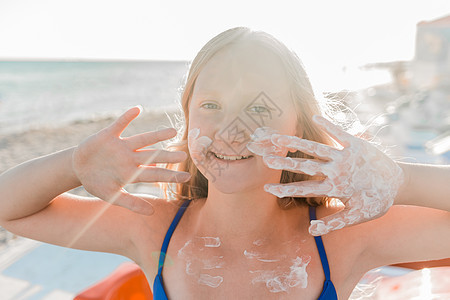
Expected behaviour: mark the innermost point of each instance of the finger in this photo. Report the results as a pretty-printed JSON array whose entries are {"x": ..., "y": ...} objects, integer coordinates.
[
  {"x": 339, "y": 220},
  {"x": 306, "y": 146},
  {"x": 264, "y": 148},
  {"x": 297, "y": 165},
  {"x": 261, "y": 143},
  {"x": 154, "y": 174},
  {"x": 262, "y": 134},
  {"x": 308, "y": 188},
  {"x": 124, "y": 120},
  {"x": 193, "y": 133},
  {"x": 336, "y": 132},
  {"x": 148, "y": 157},
  {"x": 133, "y": 203},
  {"x": 149, "y": 138}
]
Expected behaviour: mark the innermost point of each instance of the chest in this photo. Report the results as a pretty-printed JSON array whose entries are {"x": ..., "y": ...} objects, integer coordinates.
[
  {"x": 206, "y": 269},
  {"x": 285, "y": 266}
]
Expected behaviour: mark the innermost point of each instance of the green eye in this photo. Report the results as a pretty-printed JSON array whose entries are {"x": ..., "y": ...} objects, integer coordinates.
[
  {"x": 210, "y": 106},
  {"x": 259, "y": 109}
]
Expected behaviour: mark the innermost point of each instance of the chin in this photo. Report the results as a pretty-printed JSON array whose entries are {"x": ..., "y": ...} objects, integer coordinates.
[{"x": 234, "y": 186}]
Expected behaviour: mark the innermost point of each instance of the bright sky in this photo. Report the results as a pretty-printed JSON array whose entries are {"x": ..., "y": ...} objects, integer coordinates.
[{"x": 325, "y": 34}]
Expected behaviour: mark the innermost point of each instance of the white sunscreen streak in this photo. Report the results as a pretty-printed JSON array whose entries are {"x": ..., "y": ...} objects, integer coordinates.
[
  {"x": 211, "y": 241},
  {"x": 278, "y": 281},
  {"x": 212, "y": 281},
  {"x": 259, "y": 242},
  {"x": 213, "y": 264},
  {"x": 198, "y": 146},
  {"x": 250, "y": 255},
  {"x": 195, "y": 254},
  {"x": 257, "y": 256},
  {"x": 268, "y": 260},
  {"x": 261, "y": 143},
  {"x": 189, "y": 270}
]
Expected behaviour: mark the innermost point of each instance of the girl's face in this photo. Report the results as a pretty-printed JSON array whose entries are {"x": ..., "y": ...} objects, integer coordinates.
[{"x": 243, "y": 87}]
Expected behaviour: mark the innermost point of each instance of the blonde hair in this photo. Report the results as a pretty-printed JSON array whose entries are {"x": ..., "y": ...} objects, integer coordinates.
[{"x": 302, "y": 95}]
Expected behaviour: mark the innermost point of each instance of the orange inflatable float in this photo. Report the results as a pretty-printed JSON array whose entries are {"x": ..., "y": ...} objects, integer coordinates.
[{"x": 127, "y": 282}]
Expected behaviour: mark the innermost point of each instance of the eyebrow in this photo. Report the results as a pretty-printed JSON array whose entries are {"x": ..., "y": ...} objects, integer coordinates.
[{"x": 201, "y": 95}]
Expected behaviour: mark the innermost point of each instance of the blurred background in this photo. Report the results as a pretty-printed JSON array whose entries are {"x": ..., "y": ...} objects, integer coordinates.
[{"x": 68, "y": 68}]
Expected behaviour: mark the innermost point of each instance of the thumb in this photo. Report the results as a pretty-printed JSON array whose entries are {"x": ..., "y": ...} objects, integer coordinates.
[
  {"x": 133, "y": 203},
  {"x": 339, "y": 220}
]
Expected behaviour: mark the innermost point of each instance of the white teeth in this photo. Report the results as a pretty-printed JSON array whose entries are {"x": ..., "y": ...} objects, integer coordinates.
[{"x": 231, "y": 157}]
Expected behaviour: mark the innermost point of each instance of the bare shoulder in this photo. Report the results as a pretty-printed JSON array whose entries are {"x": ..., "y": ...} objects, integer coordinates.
[
  {"x": 405, "y": 234},
  {"x": 350, "y": 239},
  {"x": 344, "y": 248}
]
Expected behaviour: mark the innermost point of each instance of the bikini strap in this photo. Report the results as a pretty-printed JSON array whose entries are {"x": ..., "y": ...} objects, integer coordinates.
[
  {"x": 320, "y": 247},
  {"x": 173, "y": 225}
]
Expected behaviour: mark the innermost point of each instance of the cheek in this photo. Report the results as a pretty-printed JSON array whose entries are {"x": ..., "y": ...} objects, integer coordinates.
[
  {"x": 285, "y": 125},
  {"x": 201, "y": 122}
]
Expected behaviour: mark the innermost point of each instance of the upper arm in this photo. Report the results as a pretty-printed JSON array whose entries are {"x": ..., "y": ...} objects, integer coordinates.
[
  {"x": 81, "y": 223},
  {"x": 407, "y": 234}
]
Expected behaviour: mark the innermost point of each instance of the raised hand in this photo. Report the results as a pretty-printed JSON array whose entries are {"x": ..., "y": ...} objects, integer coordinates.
[
  {"x": 105, "y": 162},
  {"x": 360, "y": 175}
]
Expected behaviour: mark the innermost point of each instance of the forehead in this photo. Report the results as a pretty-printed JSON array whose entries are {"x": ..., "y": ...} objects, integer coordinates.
[{"x": 243, "y": 68}]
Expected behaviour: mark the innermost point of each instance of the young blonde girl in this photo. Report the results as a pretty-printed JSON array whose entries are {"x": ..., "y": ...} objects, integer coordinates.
[{"x": 254, "y": 164}]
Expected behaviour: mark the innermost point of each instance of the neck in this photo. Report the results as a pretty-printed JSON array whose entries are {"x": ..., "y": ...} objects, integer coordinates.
[{"x": 247, "y": 216}]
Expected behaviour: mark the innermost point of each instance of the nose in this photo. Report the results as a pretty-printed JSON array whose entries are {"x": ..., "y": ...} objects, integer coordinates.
[{"x": 232, "y": 136}]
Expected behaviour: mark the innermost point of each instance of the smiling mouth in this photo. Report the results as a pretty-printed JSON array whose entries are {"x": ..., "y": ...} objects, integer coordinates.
[{"x": 231, "y": 157}]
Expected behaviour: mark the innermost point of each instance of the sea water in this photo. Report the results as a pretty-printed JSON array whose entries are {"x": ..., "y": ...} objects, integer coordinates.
[{"x": 52, "y": 93}]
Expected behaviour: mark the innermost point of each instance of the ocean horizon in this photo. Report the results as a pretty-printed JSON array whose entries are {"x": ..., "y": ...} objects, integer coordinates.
[{"x": 36, "y": 94}]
